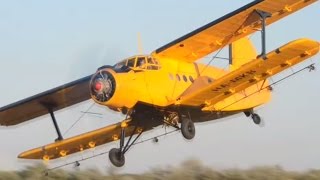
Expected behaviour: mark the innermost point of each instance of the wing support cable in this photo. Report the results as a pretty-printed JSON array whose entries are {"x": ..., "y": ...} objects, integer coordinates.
[
  {"x": 77, "y": 162},
  {"x": 263, "y": 16}
]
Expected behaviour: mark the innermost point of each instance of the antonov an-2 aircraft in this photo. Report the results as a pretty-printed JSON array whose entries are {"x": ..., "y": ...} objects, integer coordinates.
[{"x": 169, "y": 87}]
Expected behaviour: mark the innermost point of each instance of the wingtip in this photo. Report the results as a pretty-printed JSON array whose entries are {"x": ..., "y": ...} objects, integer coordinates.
[{"x": 21, "y": 156}]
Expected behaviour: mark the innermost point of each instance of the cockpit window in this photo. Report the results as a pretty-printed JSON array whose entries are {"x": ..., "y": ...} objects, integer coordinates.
[
  {"x": 152, "y": 64},
  {"x": 152, "y": 61},
  {"x": 131, "y": 62},
  {"x": 141, "y": 62},
  {"x": 119, "y": 65}
]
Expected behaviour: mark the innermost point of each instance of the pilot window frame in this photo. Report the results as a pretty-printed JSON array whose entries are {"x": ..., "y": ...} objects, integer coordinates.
[
  {"x": 120, "y": 64},
  {"x": 130, "y": 60},
  {"x": 141, "y": 58},
  {"x": 152, "y": 63}
]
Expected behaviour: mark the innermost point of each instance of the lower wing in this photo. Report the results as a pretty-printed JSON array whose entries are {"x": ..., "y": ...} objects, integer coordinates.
[{"x": 81, "y": 142}]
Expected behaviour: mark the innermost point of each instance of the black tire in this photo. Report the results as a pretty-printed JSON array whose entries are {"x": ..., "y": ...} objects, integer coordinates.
[
  {"x": 187, "y": 129},
  {"x": 116, "y": 158},
  {"x": 256, "y": 119}
]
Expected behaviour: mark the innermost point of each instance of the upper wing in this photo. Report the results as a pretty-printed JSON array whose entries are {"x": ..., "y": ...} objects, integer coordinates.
[
  {"x": 227, "y": 29},
  {"x": 204, "y": 93},
  {"x": 35, "y": 106},
  {"x": 79, "y": 143}
]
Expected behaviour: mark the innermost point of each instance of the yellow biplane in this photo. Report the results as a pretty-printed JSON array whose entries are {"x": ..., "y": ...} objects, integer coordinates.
[{"x": 170, "y": 87}]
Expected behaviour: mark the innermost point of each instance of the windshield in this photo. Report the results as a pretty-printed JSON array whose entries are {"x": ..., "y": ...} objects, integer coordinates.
[{"x": 141, "y": 62}]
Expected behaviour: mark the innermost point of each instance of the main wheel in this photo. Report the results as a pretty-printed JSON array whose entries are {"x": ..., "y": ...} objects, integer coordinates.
[
  {"x": 116, "y": 158},
  {"x": 187, "y": 129},
  {"x": 256, "y": 118}
]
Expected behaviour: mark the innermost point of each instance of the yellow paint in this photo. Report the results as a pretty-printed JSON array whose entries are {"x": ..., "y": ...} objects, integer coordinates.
[
  {"x": 170, "y": 83},
  {"x": 287, "y": 9},
  {"x": 243, "y": 52},
  {"x": 46, "y": 158},
  {"x": 63, "y": 153},
  {"x": 92, "y": 144},
  {"x": 124, "y": 124},
  {"x": 230, "y": 30},
  {"x": 115, "y": 137}
]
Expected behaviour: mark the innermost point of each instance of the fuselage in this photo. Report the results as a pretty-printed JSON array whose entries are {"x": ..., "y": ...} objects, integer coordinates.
[{"x": 156, "y": 82}]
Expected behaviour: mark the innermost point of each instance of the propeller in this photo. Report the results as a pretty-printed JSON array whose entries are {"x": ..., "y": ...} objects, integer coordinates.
[{"x": 102, "y": 86}]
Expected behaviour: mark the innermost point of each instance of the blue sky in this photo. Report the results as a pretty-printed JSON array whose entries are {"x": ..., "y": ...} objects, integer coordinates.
[{"x": 45, "y": 44}]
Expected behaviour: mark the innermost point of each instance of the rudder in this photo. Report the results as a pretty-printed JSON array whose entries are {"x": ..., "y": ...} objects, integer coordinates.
[{"x": 241, "y": 52}]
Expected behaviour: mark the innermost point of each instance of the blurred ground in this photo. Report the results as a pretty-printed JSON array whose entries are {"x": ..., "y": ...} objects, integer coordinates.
[{"x": 188, "y": 170}]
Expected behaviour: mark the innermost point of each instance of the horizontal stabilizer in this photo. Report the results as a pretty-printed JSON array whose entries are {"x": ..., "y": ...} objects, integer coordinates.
[{"x": 249, "y": 74}]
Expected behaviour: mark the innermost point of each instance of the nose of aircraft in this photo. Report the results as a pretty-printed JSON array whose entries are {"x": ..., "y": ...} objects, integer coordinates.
[{"x": 102, "y": 85}]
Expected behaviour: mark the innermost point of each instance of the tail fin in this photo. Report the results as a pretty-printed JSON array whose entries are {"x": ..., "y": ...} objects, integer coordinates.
[{"x": 241, "y": 52}]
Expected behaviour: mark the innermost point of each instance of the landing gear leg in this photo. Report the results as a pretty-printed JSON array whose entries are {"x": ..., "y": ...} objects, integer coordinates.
[
  {"x": 116, "y": 155},
  {"x": 187, "y": 127}
]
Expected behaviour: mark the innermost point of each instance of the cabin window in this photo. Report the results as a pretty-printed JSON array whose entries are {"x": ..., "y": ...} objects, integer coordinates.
[
  {"x": 171, "y": 77},
  {"x": 191, "y": 79},
  {"x": 178, "y": 77},
  {"x": 184, "y": 78}
]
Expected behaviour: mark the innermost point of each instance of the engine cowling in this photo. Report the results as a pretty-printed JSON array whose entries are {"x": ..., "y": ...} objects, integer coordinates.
[
  {"x": 102, "y": 86},
  {"x": 111, "y": 89}
]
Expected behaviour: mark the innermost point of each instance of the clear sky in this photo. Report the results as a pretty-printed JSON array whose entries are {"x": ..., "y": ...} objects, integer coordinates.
[{"x": 45, "y": 44}]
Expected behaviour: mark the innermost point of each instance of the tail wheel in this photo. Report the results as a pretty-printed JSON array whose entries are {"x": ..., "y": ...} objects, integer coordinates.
[
  {"x": 187, "y": 129},
  {"x": 116, "y": 157},
  {"x": 256, "y": 118}
]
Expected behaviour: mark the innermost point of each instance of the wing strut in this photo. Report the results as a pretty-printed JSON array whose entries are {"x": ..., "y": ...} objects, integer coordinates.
[
  {"x": 263, "y": 16},
  {"x": 56, "y": 126}
]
